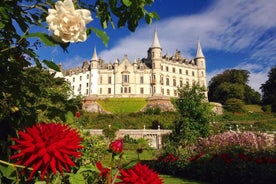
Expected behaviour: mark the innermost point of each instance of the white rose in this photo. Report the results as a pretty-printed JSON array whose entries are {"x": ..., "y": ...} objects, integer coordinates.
[{"x": 68, "y": 24}]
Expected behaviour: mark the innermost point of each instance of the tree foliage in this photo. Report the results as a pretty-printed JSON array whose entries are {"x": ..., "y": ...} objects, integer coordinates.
[
  {"x": 232, "y": 84},
  {"x": 28, "y": 95},
  {"x": 269, "y": 90},
  {"x": 195, "y": 114}
]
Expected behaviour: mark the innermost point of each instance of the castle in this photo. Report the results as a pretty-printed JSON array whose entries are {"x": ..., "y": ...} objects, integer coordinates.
[{"x": 156, "y": 75}]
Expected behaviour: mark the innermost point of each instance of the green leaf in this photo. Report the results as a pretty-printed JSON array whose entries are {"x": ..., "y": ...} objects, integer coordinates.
[
  {"x": 46, "y": 39},
  {"x": 102, "y": 35},
  {"x": 70, "y": 118},
  {"x": 76, "y": 179},
  {"x": 130, "y": 164},
  {"x": 51, "y": 65},
  {"x": 127, "y": 2},
  {"x": 88, "y": 168},
  {"x": 8, "y": 172},
  {"x": 40, "y": 182}
]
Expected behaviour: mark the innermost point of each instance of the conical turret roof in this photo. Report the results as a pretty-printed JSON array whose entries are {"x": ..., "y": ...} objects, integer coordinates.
[
  {"x": 199, "y": 52},
  {"x": 155, "y": 42},
  {"x": 95, "y": 56}
]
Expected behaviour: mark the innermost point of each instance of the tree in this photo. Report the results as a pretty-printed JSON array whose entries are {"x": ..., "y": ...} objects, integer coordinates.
[
  {"x": 30, "y": 95},
  {"x": 195, "y": 114},
  {"x": 269, "y": 90},
  {"x": 232, "y": 84}
]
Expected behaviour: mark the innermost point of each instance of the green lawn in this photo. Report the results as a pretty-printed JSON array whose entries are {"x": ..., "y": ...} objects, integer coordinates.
[
  {"x": 122, "y": 105},
  {"x": 173, "y": 180}
]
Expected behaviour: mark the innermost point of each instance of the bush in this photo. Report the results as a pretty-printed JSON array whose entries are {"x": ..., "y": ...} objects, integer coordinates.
[{"x": 234, "y": 105}]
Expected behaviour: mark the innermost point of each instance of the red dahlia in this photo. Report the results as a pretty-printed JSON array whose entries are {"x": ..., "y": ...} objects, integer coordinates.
[
  {"x": 139, "y": 174},
  {"x": 47, "y": 148}
]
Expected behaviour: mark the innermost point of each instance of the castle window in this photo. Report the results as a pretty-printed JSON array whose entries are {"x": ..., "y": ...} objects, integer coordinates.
[
  {"x": 141, "y": 80},
  {"x": 167, "y": 81},
  {"x": 202, "y": 73},
  {"x": 193, "y": 73},
  {"x": 168, "y": 91},
  {"x": 101, "y": 91},
  {"x": 86, "y": 91},
  {"x": 174, "y": 82},
  {"x": 80, "y": 78},
  {"x": 125, "y": 67},
  {"x": 87, "y": 76},
  {"x": 101, "y": 79},
  {"x": 109, "y": 79},
  {"x": 180, "y": 71},
  {"x": 142, "y": 90},
  {"x": 161, "y": 67},
  {"x": 87, "y": 84},
  {"x": 187, "y": 72},
  {"x": 125, "y": 89},
  {"x": 161, "y": 80},
  {"x": 73, "y": 87},
  {"x": 167, "y": 68},
  {"x": 125, "y": 78},
  {"x": 173, "y": 70},
  {"x": 129, "y": 90},
  {"x": 153, "y": 65},
  {"x": 181, "y": 83},
  {"x": 109, "y": 90},
  {"x": 73, "y": 79},
  {"x": 162, "y": 91},
  {"x": 175, "y": 93}
]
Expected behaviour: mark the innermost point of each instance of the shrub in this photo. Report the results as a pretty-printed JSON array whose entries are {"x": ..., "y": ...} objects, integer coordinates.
[{"x": 234, "y": 105}]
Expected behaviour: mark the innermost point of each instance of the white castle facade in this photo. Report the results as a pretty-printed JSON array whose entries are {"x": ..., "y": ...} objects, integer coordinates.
[{"x": 156, "y": 75}]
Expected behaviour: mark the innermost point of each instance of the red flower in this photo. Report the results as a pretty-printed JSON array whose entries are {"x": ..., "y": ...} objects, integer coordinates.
[
  {"x": 47, "y": 148},
  {"x": 139, "y": 174},
  {"x": 103, "y": 171},
  {"x": 116, "y": 146},
  {"x": 78, "y": 114}
]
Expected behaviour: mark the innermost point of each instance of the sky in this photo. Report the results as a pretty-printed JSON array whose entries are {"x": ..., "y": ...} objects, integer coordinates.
[{"x": 234, "y": 34}]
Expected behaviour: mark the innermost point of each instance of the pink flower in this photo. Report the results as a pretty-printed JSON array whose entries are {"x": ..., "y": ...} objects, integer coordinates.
[
  {"x": 116, "y": 146},
  {"x": 47, "y": 148}
]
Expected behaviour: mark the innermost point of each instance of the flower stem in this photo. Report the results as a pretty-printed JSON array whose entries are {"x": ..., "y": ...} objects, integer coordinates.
[{"x": 10, "y": 164}]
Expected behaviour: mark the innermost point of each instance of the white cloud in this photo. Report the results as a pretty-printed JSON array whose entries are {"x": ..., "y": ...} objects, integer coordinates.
[{"x": 72, "y": 62}]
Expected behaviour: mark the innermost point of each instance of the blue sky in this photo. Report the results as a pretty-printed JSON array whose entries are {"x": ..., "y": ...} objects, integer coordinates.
[{"x": 236, "y": 34}]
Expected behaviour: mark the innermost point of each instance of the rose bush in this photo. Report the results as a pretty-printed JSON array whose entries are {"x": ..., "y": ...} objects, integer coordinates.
[{"x": 68, "y": 24}]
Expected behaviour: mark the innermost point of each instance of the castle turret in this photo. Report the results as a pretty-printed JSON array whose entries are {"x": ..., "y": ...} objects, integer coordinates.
[
  {"x": 201, "y": 65},
  {"x": 94, "y": 75},
  {"x": 94, "y": 60},
  {"x": 155, "y": 57}
]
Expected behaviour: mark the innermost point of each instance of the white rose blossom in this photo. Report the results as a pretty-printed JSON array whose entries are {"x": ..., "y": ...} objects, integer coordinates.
[{"x": 68, "y": 24}]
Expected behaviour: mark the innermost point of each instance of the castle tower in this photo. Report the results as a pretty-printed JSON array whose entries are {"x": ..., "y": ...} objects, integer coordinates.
[
  {"x": 155, "y": 52},
  {"x": 201, "y": 65},
  {"x": 94, "y": 74}
]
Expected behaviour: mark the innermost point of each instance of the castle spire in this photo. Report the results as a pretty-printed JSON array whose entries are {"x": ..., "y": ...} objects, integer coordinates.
[
  {"x": 94, "y": 57},
  {"x": 155, "y": 42},
  {"x": 199, "y": 52}
]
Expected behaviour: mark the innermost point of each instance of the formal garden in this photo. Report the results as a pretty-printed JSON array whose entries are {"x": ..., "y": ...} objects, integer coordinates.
[{"x": 43, "y": 137}]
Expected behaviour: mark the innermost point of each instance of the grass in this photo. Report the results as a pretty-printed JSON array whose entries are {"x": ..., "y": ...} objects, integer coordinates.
[
  {"x": 253, "y": 108},
  {"x": 173, "y": 180},
  {"x": 122, "y": 105}
]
